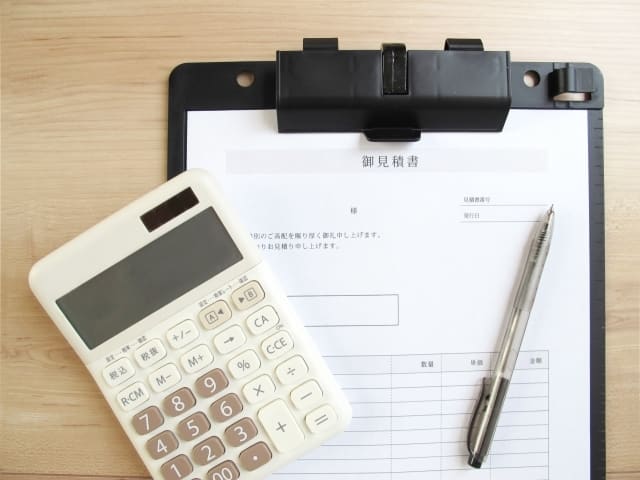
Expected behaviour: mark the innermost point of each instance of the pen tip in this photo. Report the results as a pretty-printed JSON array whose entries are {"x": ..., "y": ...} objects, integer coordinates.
[{"x": 550, "y": 211}]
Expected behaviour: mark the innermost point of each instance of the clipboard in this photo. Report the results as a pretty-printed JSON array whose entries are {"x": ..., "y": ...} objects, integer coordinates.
[{"x": 392, "y": 96}]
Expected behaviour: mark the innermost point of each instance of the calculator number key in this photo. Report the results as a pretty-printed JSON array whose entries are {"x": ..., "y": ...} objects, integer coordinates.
[
  {"x": 224, "y": 471},
  {"x": 255, "y": 456},
  {"x": 215, "y": 314},
  {"x": 211, "y": 383},
  {"x": 207, "y": 451},
  {"x": 162, "y": 444},
  {"x": 226, "y": 407},
  {"x": 240, "y": 432},
  {"x": 132, "y": 396},
  {"x": 147, "y": 420},
  {"x": 193, "y": 426},
  {"x": 178, "y": 402},
  {"x": 177, "y": 468},
  {"x": 118, "y": 372},
  {"x": 247, "y": 295},
  {"x": 182, "y": 334}
]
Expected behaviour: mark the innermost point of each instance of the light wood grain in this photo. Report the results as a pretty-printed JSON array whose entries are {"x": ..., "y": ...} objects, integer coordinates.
[{"x": 84, "y": 101}]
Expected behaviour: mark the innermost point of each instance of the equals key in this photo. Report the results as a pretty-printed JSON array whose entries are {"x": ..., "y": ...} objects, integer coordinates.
[{"x": 321, "y": 419}]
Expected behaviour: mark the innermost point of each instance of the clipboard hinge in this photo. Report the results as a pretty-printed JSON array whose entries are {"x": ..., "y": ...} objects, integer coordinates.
[{"x": 392, "y": 94}]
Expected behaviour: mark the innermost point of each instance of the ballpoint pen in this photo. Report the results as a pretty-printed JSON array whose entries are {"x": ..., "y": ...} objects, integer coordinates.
[{"x": 494, "y": 389}]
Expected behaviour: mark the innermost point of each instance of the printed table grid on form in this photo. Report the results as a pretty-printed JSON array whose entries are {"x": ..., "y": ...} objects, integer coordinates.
[{"x": 411, "y": 415}]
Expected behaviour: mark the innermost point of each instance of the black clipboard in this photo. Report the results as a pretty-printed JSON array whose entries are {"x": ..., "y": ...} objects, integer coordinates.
[{"x": 323, "y": 89}]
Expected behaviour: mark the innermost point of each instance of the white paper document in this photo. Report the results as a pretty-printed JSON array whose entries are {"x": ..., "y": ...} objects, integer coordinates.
[{"x": 403, "y": 258}]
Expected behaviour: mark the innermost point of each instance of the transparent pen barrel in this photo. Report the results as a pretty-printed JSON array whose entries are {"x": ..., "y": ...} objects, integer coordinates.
[{"x": 510, "y": 344}]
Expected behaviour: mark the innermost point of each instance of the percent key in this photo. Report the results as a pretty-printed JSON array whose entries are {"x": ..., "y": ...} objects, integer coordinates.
[{"x": 244, "y": 364}]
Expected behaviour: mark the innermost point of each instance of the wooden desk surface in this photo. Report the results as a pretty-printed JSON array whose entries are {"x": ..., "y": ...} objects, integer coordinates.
[{"x": 84, "y": 102}]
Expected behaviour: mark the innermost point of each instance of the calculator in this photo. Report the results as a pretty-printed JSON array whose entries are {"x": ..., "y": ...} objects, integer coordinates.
[{"x": 190, "y": 338}]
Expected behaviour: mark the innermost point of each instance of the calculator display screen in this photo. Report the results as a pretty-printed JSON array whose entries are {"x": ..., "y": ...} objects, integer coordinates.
[{"x": 150, "y": 278}]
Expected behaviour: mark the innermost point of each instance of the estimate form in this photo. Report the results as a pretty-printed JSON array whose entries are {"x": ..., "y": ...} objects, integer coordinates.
[{"x": 402, "y": 260}]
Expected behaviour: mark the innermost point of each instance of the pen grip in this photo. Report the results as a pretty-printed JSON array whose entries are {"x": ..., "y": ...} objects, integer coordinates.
[{"x": 511, "y": 342}]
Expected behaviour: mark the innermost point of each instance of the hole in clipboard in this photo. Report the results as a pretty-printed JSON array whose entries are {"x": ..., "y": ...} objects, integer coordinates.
[
  {"x": 245, "y": 79},
  {"x": 531, "y": 78}
]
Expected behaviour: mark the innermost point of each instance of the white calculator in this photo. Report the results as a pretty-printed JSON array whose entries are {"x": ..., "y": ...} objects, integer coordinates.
[{"x": 190, "y": 338}]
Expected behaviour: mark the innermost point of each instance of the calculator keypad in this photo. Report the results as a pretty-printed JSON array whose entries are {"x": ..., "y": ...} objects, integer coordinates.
[
  {"x": 215, "y": 315},
  {"x": 225, "y": 408},
  {"x": 211, "y": 383},
  {"x": 255, "y": 456},
  {"x": 226, "y": 470},
  {"x": 177, "y": 468},
  {"x": 178, "y": 402},
  {"x": 240, "y": 432},
  {"x": 118, "y": 372},
  {"x": 208, "y": 451},
  {"x": 147, "y": 420},
  {"x": 193, "y": 426},
  {"x": 164, "y": 378},
  {"x": 162, "y": 444},
  {"x": 202, "y": 419}
]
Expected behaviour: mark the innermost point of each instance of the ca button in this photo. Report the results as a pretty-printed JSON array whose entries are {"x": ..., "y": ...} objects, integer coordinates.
[{"x": 264, "y": 319}]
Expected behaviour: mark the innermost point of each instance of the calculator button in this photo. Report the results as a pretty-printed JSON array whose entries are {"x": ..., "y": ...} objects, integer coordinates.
[
  {"x": 306, "y": 395},
  {"x": 255, "y": 456},
  {"x": 247, "y": 295},
  {"x": 147, "y": 420},
  {"x": 264, "y": 319},
  {"x": 164, "y": 378},
  {"x": 226, "y": 407},
  {"x": 230, "y": 340},
  {"x": 162, "y": 444},
  {"x": 132, "y": 396},
  {"x": 193, "y": 426},
  {"x": 207, "y": 451},
  {"x": 259, "y": 389},
  {"x": 211, "y": 383},
  {"x": 280, "y": 425},
  {"x": 196, "y": 359},
  {"x": 118, "y": 372},
  {"x": 321, "y": 419},
  {"x": 177, "y": 468},
  {"x": 224, "y": 471},
  {"x": 150, "y": 353},
  {"x": 244, "y": 364},
  {"x": 277, "y": 345},
  {"x": 178, "y": 402},
  {"x": 182, "y": 334},
  {"x": 215, "y": 314},
  {"x": 240, "y": 432},
  {"x": 292, "y": 370}
]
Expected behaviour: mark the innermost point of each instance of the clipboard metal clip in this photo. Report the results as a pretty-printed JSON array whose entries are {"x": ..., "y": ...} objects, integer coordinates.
[{"x": 392, "y": 94}]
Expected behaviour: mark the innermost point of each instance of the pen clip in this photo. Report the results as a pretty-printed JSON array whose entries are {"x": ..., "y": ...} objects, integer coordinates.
[{"x": 472, "y": 425}]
